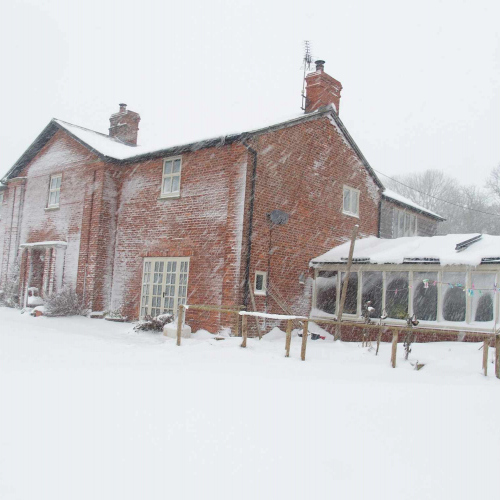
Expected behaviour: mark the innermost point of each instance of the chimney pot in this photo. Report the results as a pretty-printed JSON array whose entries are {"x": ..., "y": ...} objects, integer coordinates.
[
  {"x": 320, "y": 65},
  {"x": 123, "y": 107}
]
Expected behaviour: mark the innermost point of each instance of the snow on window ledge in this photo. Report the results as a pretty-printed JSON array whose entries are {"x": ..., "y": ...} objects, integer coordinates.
[
  {"x": 350, "y": 214},
  {"x": 169, "y": 196}
]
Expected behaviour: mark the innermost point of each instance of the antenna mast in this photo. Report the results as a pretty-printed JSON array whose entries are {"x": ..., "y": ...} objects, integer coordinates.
[{"x": 307, "y": 66}]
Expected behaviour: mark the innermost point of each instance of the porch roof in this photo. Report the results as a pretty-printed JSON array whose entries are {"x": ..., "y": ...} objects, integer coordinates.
[
  {"x": 45, "y": 244},
  {"x": 451, "y": 249}
]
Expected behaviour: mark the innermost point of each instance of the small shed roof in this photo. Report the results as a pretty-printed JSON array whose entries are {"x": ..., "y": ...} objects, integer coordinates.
[
  {"x": 452, "y": 249},
  {"x": 400, "y": 199}
]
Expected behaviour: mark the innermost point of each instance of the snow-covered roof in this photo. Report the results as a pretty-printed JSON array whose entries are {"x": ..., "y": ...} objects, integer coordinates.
[
  {"x": 104, "y": 144},
  {"x": 452, "y": 249},
  {"x": 113, "y": 149},
  {"x": 392, "y": 195}
]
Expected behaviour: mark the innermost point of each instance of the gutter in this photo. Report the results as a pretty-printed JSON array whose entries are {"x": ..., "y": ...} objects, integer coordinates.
[{"x": 246, "y": 284}]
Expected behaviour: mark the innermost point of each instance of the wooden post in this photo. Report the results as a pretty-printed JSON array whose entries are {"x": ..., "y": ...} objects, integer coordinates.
[
  {"x": 486, "y": 345},
  {"x": 338, "y": 332},
  {"x": 180, "y": 315},
  {"x": 497, "y": 355},
  {"x": 379, "y": 338},
  {"x": 244, "y": 329},
  {"x": 237, "y": 329},
  {"x": 288, "y": 337},
  {"x": 304, "y": 341},
  {"x": 252, "y": 298},
  {"x": 394, "y": 348}
]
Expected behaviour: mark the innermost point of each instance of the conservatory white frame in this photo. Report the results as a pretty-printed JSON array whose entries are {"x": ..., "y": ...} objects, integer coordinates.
[{"x": 468, "y": 324}]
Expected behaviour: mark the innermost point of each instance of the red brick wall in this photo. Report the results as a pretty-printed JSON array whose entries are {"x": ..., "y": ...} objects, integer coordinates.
[
  {"x": 64, "y": 155},
  {"x": 204, "y": 223},
  {"x": 302, "y": 171}
]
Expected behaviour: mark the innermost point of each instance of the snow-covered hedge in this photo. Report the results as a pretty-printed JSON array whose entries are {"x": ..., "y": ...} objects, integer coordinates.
[
  {"x": 150, "y": 323},
  {"x": 64, "y": 303},
  {"x": 9, "y": 294}
]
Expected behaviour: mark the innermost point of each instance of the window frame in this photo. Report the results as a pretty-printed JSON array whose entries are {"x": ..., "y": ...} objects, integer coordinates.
[
  {"x": 171, "y": 175},
  {"x": 350, "y": 190},
  {"x": 405, "y": 216},
  {"x": 56, "y": 190},
  {"x": 146, "y": 298},
  {"x": 262, "y": 292}
]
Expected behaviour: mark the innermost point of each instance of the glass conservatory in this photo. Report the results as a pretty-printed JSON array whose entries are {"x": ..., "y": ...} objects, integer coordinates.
[{"x": 445, "y": 281}]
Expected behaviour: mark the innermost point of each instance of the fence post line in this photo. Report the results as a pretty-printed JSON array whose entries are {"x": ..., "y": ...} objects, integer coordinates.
[
  {"x": 244, "y": 330},
  {"x": 394, "y": 348},
  {"x": 497, "y": 355},
  {"x": 180, "y": 314},
  {"x": 288, "y": 337},
  {"x": 304, "y": 341},
  {"x": 486, "y": 345}
]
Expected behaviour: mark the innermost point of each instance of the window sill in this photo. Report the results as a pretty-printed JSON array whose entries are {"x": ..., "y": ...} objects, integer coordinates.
[
  {"x": 259, "y": 294},
  {"x": 172, "y": 196},
  {"x": 351, "y": 215},
  {"x": 51, "y": 209}
]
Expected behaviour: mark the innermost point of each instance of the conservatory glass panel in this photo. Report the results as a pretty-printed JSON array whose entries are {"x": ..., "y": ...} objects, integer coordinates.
[
  {"x": 347, "y": 200},
  {"x": 396, "y": 295},
  {"x": 483, "y": 296},
  {"x": 425, "y": 296},
  {"x": 372, "y": 291},
  {"x": 454, "y": 296},
  {"x": 351, "y": 299},
  {"x": 326, "y": 291}
]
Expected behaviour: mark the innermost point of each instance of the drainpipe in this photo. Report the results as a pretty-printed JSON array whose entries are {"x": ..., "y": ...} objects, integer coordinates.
[{"x": 250, "y": 224}]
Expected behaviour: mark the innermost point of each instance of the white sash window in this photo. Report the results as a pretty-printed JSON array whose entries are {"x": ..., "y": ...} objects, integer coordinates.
[{"x": 54, "y": 190}]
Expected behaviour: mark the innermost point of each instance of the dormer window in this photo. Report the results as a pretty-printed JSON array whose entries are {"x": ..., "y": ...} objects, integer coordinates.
[
  {"x": 171, "y": 178},
  {"x": 54, "y": 191}
]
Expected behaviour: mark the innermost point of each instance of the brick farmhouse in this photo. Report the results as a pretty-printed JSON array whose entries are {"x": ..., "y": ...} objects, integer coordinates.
[{"x": 140, "y": 231}]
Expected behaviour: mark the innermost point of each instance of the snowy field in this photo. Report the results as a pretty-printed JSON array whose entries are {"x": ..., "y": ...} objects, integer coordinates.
[{"x": 92, "y": 410}]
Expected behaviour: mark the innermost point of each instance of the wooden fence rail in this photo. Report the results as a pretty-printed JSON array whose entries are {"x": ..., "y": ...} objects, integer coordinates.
[{"x": 488, "y": 338}]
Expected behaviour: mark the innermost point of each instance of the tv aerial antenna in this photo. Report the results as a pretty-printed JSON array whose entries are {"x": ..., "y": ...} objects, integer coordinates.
[{"x": 306, "y": 62}]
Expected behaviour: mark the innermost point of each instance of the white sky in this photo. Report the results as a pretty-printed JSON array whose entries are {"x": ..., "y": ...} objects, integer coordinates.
[{"x": 421, "y": 79}]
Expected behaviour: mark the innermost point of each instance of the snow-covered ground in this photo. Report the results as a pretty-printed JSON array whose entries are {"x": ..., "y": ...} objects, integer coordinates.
[{"x": 92, "y": 410}]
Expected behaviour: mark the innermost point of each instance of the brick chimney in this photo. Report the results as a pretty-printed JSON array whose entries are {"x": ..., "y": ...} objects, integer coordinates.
[
  {"x": 321, "y": 89},
  {"x": 124, "y": 125}
]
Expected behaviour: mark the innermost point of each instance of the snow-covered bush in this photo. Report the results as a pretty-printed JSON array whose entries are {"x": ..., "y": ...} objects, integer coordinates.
[
  {"x": 64, "y": 303},
  {"x": 9, "y": 294},
  {"x": 156, "y": 324}
]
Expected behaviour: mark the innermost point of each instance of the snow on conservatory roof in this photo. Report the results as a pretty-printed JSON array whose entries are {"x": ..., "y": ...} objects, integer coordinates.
[
  {"x": 452, "y": 249},
  {"x": 392, "y": 195}
]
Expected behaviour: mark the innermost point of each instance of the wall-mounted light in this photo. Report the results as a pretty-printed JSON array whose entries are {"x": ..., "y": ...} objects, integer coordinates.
[{"x": 302, "y": 279}]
